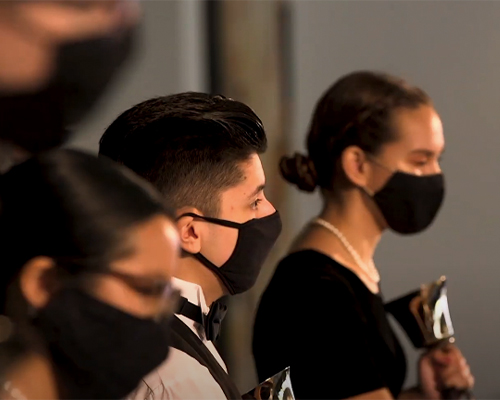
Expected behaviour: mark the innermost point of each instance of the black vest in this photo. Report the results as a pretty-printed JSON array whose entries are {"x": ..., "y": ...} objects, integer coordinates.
[{"x": 185, "y": 340}]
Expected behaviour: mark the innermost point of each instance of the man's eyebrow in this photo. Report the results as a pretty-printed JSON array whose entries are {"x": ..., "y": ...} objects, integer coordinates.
[{"x": 259, "y": 189}]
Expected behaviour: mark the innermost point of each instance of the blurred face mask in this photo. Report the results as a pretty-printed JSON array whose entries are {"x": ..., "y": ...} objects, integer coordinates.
[
  {"x": 99, "y": 351},
  {"x": 39, "y": 120}
]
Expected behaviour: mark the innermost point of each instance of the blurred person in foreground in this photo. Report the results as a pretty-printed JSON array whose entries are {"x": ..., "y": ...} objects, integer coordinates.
[
  {"x": 88, "y": 250},
  {"x": 56, "y": 59}
]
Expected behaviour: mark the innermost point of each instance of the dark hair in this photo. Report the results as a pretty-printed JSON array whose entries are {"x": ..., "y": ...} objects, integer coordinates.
[
  {"x": 68, "y": 205},
  {"x": 357, "y": 110},
  {"x": 188, "y": 145}
]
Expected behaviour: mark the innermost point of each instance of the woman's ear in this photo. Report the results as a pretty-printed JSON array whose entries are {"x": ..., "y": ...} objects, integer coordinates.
[
  {"x": 190, "y": 229},
  {"x": 37, "y": 281},
  {"x": 355, "y": 166}
]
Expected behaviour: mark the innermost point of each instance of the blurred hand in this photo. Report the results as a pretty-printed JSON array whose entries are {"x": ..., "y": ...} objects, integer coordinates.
[
  {"x": 442, "y": 368},
  {"x": 31, "y": 31},
  {"x": 66, "y": 20}
]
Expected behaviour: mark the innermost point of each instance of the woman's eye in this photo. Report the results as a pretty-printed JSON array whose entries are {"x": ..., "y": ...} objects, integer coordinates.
[{"x": 421, "y": 162}]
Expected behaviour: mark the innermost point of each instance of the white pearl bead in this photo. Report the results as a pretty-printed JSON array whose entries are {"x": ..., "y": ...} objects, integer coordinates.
[{"x": 370, "y": 270}]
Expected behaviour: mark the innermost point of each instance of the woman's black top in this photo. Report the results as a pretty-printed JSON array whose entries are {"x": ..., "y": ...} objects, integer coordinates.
[{"x": 318, "y": 317}]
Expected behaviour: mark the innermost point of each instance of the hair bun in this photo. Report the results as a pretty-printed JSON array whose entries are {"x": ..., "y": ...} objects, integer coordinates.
[{"x": 300, "y": 171}]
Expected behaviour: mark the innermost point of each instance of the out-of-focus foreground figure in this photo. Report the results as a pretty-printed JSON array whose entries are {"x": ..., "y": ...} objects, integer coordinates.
[
  {"x": 88, "y": 250},
  {"x": 56, "y": 59}
]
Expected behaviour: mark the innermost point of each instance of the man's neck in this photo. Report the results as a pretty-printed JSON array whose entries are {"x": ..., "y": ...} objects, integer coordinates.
[{"x": 191, "y": 270}]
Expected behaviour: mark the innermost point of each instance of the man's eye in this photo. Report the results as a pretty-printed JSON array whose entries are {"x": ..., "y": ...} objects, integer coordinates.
[{"x": 256, "y": 203}]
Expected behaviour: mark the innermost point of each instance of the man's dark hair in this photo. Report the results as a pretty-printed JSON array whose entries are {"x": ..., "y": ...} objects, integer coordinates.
[{"x": 189, "y": 145}]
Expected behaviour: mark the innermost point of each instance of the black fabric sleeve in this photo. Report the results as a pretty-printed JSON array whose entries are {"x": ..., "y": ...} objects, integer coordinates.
[{"x": 332, "y": 358}]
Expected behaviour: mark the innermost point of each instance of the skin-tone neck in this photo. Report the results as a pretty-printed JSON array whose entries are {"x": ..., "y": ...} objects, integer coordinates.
[
  {"x": 21, "y": 382},
  {"x": 191, "y": 270},
  {"x": 354, "y": 216}
]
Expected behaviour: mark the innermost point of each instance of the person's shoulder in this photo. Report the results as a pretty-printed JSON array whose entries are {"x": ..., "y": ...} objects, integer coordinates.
[
  {"x": 308, "y": 264},
  {"x": 180, "y": 376},
  {"x": 303, "y": 255},
  {"x": 305, "y": 279},
  {"x": 302, "y": 262}
]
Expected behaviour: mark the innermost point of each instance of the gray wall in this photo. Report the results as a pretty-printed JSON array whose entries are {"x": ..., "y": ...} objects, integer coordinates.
[
  {"x": 451, "y": 49},
  {"x": 170, "y": 57}
]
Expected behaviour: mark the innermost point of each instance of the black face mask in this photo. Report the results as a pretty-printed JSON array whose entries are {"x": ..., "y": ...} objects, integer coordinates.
[
  {"x": 39, "y": 120},
  {"x": 99, "y": 352},
  {"x": 255, "y": 240},
  {"x": 409, "y": 203}
]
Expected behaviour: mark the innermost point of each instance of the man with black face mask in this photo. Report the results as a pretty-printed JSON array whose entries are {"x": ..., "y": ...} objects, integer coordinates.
[
  {"x": 202, "y": 152},
  {"x": 57, "y": 58}
]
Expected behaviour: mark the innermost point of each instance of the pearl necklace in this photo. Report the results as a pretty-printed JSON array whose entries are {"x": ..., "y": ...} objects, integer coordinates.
[{"x": 369, "y": 269}]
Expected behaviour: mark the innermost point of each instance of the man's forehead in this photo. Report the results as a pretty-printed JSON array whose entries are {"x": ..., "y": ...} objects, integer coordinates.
[
  {"x": 253, "y": 171},
  {"x": 252, "y": 166},
  {"x": 252, "y": 181}
]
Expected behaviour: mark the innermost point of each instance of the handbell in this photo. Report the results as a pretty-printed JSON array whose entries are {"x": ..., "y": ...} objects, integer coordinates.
[
  {"x": 425, "y": 317},
  {"x": 278, "y": 387}
]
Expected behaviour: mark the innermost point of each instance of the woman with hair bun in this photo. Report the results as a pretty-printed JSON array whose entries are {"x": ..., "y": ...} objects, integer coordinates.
[{"x": 374, "y": 146}]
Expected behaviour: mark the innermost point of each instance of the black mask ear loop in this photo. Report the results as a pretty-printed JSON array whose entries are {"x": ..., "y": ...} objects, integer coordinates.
[
  {"x": 216, "y": 221},
  {"x": 201, "y": 258},
  {"x": 371, "y": 159}
]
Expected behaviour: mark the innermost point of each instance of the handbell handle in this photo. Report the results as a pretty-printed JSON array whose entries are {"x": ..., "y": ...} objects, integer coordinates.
[{"x": 453, "y": 393}]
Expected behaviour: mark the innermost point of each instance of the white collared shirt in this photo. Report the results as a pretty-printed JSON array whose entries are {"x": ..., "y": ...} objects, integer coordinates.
[{"x": 181, "y": 376}]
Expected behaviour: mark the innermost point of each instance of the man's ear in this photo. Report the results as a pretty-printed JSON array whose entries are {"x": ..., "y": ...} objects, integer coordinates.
[
  {"x": 355, "y": 166},
  {"x": 38, "y": 281},
  {"x": 190, "y": 229}
]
